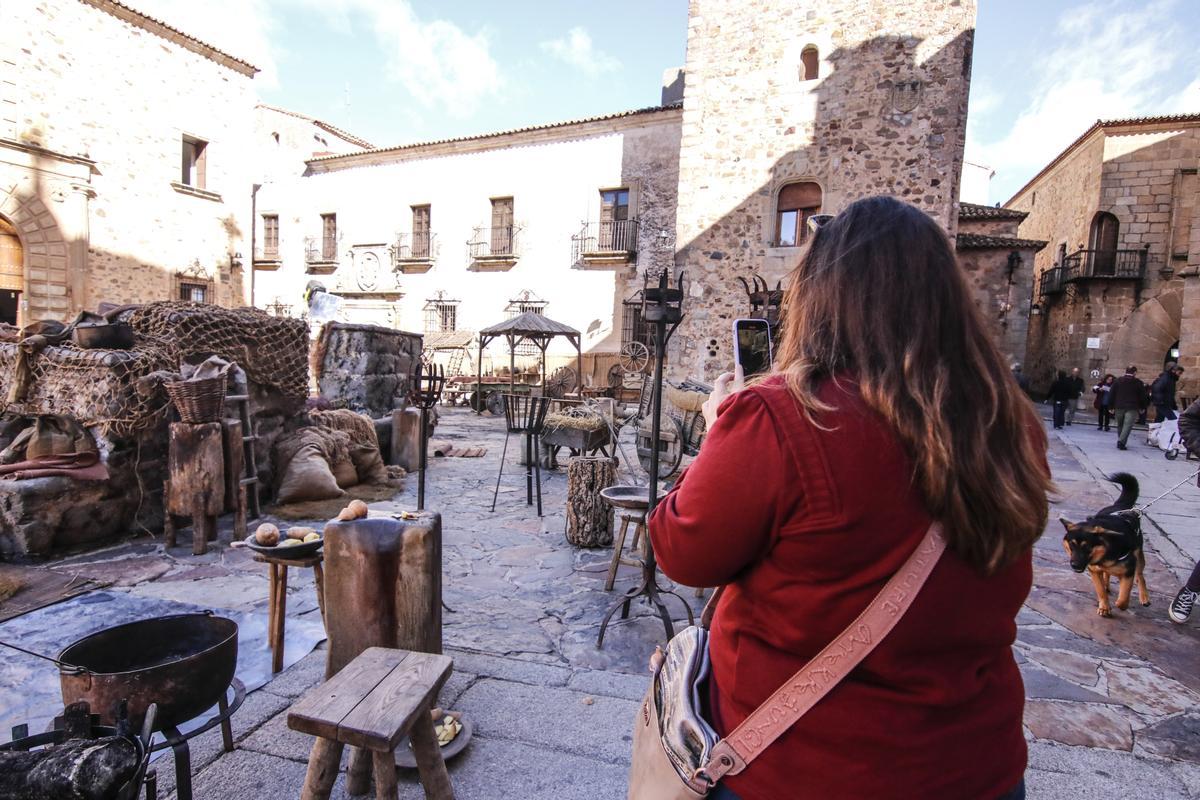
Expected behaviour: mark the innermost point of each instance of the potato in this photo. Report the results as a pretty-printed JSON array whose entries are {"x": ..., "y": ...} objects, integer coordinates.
[
  {"x": 290, "y": 543},
  {"x": 357, "y": 509},
  {"x": 312, "y": 537},
  {"x": 267, "y": 535},
  {"x": 299, "y": 532}
]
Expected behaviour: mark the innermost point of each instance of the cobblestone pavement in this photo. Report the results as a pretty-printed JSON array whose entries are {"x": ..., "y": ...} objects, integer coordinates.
[{"x": 1112, "y": 703}]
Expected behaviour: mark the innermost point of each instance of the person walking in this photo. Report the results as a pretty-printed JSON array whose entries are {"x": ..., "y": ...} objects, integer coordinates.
[
  {"x": 1188, "y": 595},
  {"x": 1077, "y": 386},
  {"x": 1127, "y": 398},
  {"x": 1162, "y": 393},
  {"x": 1061, "y": 393},
  {"x": 1103, "y": 402},
  {"x": 781, "y": 507}
]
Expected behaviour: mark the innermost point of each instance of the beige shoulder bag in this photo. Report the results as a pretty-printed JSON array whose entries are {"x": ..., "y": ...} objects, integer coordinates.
[{"x": 676, "y": 753}]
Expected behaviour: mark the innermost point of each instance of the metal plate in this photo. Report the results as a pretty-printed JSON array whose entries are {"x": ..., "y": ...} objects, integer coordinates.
[{"x": 406, "y": 759}]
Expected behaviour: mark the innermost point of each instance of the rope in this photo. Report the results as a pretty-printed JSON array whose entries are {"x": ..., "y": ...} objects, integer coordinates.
[{"x": 1191, "y": 477}]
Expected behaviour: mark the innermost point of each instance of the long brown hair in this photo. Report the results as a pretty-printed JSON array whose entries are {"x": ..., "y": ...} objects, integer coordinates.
[{"x": 879, "y": 297}]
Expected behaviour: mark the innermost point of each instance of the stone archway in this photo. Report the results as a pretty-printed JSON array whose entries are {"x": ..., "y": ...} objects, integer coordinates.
[
  {"x": 12, "y": 274},
  {"x": 45, "y": 256},
  {"x": 1151, "y": 330}
]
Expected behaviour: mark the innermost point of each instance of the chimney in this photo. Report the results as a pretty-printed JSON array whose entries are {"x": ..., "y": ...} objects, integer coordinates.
[{"x": 672, "y": 86}]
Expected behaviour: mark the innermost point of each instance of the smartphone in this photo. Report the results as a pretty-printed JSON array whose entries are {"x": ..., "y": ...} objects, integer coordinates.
[{"x": 752, "y": 345}]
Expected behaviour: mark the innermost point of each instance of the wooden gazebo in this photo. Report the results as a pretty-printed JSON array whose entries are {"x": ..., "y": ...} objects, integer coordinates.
[{"x": 531, "y": 327}]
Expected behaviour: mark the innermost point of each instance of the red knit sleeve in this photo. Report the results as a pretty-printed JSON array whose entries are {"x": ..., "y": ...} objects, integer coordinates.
[{"x": 722, "y": 513}]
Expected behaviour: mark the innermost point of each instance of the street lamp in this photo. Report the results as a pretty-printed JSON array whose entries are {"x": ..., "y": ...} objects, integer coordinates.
[{"x": 425, "y": 394}]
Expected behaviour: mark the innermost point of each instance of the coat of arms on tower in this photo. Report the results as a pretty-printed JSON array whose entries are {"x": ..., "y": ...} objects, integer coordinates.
[{"x": 906, "y": 95}]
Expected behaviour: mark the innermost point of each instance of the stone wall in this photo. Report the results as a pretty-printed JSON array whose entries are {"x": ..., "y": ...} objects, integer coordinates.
[
  {"x": 1144, "y": 173},
  {"x": 886, "y": 115},
  {"x": 86, "y": 86},
  {"x": 367, "y": 368}
]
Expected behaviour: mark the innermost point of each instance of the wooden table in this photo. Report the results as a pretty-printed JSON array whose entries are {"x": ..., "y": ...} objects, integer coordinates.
[
  {"x": 375, "y": 701},
  {"x": 277, "y": 597}
]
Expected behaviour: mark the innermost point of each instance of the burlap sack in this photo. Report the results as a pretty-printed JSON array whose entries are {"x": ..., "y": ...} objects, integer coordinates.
[
  {"x": 308, "y": 477},
  {"x": 344, "y": 473},
  {"x": 368, "y": 463}
]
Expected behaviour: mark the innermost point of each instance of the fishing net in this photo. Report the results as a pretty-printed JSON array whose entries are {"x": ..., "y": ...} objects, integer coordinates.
[{"x": 121, "y": 390}]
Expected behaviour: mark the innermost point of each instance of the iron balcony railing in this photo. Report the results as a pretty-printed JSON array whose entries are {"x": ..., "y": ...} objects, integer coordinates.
[
  {"x": 319, "y": 250},
  {"x": 1051, "y": 282},
  {"x": 605, "y": 238},
  {"x": 1105, "y": 265},
  {"x": 416, "y": 246},
  {"x": 494, "y": 242}
]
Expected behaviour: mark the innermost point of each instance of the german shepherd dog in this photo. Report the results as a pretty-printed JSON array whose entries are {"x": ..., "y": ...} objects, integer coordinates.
[{"x": 1108, "y": 544}]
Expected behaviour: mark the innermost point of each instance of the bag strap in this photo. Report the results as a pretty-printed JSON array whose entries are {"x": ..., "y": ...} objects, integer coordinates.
[{"x": 815, "y": 679}]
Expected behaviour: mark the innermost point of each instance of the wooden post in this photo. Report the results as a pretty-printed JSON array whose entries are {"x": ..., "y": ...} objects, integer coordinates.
[
  {"x": 587, "y": 514},
  {"x": 384, "y": 586},
  {"x": 235, "y": 469},
  {"x": 195, "y": 464}
]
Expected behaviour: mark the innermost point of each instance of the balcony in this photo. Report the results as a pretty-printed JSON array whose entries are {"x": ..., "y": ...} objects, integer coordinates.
[
  {"x": 493, "y": 249},
  {"x": 320, "y": 256},
  {"x": 414, "y": 253},
  {"x": 1051, "y": 282},
  {"x": 1111, "y": 265},
  {"x": 599, "y": 245},
  {"x": 267, "y": 259}
]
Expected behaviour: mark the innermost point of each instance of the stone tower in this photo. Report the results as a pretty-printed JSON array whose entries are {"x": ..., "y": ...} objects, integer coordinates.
[{"x": 793, "y": 107}]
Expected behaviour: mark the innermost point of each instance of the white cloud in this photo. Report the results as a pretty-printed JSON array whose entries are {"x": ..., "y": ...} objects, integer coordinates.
[
  {"x": 1106, "y": 66},
  {"x": 437, "y": 62},
  {"x": 577, "y": 50}
]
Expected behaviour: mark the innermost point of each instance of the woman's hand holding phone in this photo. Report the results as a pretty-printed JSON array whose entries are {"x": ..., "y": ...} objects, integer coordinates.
[{"x": 729, "y": 383}]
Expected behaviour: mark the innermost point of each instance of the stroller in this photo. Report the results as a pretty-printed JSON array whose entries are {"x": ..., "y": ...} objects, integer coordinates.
[{"x": 1165, "y": 436}]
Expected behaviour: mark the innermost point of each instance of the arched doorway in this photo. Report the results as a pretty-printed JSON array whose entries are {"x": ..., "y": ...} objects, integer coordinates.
[{"x": 12, "y": 273}]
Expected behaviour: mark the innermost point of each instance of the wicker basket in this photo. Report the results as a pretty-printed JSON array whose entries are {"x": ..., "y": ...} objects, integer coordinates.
[{"x": 198, "y": 401}]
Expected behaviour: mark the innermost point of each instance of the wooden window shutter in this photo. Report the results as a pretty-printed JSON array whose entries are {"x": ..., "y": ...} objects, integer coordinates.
[{"x": 795, "y": 196}]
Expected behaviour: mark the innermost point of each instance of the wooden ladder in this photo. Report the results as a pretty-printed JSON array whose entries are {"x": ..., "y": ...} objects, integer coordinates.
[{"x": 249, "y": 482}]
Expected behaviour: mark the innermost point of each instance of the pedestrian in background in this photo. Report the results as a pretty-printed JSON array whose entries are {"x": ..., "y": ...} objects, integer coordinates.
[
  {"x": 1077, "y": 384},
  {"x": 1061, "y": 393},
  {"x": 1103, "y": 402},
  {"x": 1128, "y": 399},
  {"x": 1162, "y": 393}
]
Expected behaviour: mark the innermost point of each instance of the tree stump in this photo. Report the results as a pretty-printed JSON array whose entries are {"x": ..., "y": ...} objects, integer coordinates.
[
  {"x": 196, "y": 485},
  {"x": 588, "y": 520}
]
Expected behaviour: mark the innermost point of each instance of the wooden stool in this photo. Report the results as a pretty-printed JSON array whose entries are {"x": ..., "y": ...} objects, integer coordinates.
[
  {"x": 277, "y": 598},
  {"x": 618, "y": 557},
  {"x": 375, "y": 701}
]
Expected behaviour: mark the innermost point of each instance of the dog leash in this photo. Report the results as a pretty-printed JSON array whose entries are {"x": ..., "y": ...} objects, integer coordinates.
[{"x": 1191, "y": 477}]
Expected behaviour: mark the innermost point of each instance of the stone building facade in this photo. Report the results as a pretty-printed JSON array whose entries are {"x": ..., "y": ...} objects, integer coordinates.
[
  {"x": 827, "y": 103},
  {"x": 1120, "y": 282},
  {"x": 99, "y": 104}
]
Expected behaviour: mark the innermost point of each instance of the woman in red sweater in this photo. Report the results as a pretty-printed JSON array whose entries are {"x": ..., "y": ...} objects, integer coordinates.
[{"x": 889, "y": 407}]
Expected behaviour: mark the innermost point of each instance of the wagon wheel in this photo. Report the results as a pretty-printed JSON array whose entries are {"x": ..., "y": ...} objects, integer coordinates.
[
  {"x": 563, "y": 380},
  {"x": 616, "y": 376},
  {"x": 495, "y": 403},
  {"x": 670, "y": 454},
  {"x": 635, "y": 357},
  {"x": 476, "y": 401}
]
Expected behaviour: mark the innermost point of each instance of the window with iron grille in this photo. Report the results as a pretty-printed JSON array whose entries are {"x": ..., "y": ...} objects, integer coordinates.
[
  {"x": 441, "y": 314},
  {"x": 633, "y": 327},
  {"x": 193, "y": 292},
  {"x": 525, "y": 302},
  {"x": 329, "y": 237}
]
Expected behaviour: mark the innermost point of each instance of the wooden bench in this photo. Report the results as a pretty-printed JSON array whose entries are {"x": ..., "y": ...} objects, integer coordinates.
[{"x": 375, "y": 701}]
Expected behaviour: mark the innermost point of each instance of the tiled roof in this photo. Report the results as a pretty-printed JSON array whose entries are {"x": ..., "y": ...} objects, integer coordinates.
[
  {"x": 184, "y": 40},
  {"x": 976, "y": 211},
  {"x": 349, "y": 137},
  {"x": 1101, "y": 124},
  {"x": 497, "y": 134},
  {"x": 978, "y": 241}
]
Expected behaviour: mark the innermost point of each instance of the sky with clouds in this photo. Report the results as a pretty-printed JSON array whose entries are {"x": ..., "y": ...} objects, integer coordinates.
[{"x": 396, "y": 71}]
